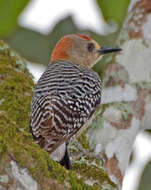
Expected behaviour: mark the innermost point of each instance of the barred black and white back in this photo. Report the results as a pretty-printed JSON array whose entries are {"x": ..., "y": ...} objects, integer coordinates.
[{"x": 65, "y": 98}]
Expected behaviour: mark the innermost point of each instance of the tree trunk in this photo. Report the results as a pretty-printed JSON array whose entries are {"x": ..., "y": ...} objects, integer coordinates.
[{"x": 126, "y": 100}]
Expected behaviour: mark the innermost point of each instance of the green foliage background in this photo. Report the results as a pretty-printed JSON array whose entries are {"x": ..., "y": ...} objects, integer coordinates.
[{"x": 9, "y": 12}]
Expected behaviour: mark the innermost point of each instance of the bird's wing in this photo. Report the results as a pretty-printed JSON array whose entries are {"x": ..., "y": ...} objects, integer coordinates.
[
  {"x": 53, "y": 121},
  {"x": 41, "y": 120}
]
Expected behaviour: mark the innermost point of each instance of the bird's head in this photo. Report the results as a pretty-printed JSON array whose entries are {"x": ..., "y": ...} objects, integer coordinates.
[{"x": 79, "y": 49}]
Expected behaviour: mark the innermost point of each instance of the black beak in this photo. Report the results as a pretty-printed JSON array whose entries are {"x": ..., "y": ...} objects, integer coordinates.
[{"x": 105, "y": 50}]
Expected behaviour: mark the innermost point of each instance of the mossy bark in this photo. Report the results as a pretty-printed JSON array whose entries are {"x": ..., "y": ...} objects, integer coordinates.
[{"x": 17, "y": 145}]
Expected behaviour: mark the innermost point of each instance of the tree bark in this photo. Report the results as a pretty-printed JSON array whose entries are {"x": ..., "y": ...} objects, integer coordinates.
[{"x": 126, "y": 100}]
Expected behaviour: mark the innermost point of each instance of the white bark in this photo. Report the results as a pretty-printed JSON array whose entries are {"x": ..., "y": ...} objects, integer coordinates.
[{"x": 127, "y": 108}]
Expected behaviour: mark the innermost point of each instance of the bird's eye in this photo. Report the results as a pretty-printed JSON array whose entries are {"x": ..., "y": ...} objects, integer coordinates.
[{"x": 90, "y": 47}]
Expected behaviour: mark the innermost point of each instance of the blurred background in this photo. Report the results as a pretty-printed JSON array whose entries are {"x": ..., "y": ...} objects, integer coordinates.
[{"x": 32, "y": 28}]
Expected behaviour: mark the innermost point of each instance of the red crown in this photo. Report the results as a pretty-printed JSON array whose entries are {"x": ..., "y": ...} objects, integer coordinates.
[{"x": 84, "y": 36}]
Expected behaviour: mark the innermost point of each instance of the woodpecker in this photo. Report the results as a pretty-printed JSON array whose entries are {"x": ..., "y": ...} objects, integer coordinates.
[{"x": 67, "y": 94}]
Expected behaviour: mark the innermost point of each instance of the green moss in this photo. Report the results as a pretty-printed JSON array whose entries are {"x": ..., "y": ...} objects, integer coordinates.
[
  {"x": 16, "y": 87},
  {"x": 91, "y": 171},
  {"x": 82, "y": 139}
]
